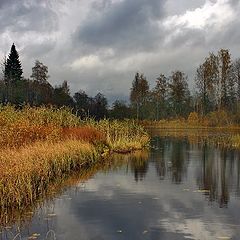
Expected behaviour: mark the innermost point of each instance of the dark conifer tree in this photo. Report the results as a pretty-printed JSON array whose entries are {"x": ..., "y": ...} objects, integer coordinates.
[
  {"x": 15, "y": 87},
  {"x": 13, "y": 68}
]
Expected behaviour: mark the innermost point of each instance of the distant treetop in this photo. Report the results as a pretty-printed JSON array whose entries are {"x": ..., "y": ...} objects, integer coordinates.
[{"x": 13, "y": 68}]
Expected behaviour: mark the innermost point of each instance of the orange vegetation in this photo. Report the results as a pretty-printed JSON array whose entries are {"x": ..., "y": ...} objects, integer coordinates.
[
  {"x": 86, "y": 133},
  {"x": 22, "y": 134},
  {"x": 26, "y": 172},
  {"x": 40, "y": 145}
]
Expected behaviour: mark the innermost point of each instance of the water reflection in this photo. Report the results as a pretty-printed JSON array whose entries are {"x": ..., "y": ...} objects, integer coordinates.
[
  {"x": 171, "y": 158},
  {"x": 217, "y": 170},
  {"x": 180, "y": 189},
  {"x": 139, "y": 165},
  {"x": 138, "y": 162},
  {"x": 219, "y": 173}
]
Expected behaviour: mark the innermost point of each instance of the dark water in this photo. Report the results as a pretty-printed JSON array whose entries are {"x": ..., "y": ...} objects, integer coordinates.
[{"x": 177, "y": 191}]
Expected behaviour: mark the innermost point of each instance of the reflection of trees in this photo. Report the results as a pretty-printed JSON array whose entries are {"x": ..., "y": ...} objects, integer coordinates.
[
  {"x": 219, "y": 171},
  {"x": 170, "y": 157},
  {"x": 178, "y": 159},
  {"x": 219, "y": 174},
  {"x": 238, "y": 174},
  {"x": 160, "y": 146},
  {"x": 23, "y": 217},
  {"x": 139, "y": 164},
  {"x": 224, "y": 194},
  {"x": 207, "y": 179}
]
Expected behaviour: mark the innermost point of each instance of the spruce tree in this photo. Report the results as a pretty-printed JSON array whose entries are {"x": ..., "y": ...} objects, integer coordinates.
[
  {"x": 13, "y": 68},
  {"x": 15, "y": 86}
]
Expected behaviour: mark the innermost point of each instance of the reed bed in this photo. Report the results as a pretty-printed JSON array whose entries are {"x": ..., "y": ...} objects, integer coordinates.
[
  {"x": 39, "y": 145},
  {"x": 25, "y": 173},
  {"x": 235, "y": 141},
  {"x": 20, "y": 127},
  {"x": 23, "y": 216},
  {"x": 29, "y": 125},
  {"x": 122, "y": 136},
  {"x": 43, "y": 116}
]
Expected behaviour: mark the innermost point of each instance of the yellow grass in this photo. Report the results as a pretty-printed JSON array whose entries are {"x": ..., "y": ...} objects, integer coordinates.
[
  {"x": 40, "y": 145},
  {"x": 122, "y": 136},
  {"x": 25, "y": 173},
  {"x": 214, "y": 120},
  {"x": 23, "y": 215}
]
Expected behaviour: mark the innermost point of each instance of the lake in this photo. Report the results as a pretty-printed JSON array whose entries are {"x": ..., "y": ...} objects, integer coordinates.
[{"x": 179, "y": 189}]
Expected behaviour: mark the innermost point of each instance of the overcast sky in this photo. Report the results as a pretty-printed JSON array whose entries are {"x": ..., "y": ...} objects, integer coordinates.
[{"x": 98, "y": 45}]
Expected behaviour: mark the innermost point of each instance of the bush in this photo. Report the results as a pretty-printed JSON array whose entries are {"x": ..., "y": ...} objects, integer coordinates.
[
  {"x": 193, "y": 118},
  {"x": 219, "y": 119}
]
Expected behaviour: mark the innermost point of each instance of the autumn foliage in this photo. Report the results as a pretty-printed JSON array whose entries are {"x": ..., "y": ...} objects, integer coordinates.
[
  {"x": 30, "y": 125},
  {"x": 86, "y": 133},
  {"x": 41, "y": 145}
]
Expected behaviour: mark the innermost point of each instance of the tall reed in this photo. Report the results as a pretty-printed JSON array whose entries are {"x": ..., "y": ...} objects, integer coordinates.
[
  {"x": 122, "y": 136},
  {"x": 25, "y": 173},
  {"x": 39, "y": 145}
]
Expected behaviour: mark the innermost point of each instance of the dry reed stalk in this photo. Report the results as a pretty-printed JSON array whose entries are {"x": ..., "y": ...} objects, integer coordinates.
[
  {"x": 25, "y": 173},
  {"x": 42, "y": 144}
]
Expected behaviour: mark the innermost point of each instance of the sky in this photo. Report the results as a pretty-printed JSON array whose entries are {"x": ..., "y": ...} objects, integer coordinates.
[{"x": 99, "y": 45}]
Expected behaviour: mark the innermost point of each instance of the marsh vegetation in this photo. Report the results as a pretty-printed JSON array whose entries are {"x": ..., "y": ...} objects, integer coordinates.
[
  {"x": 39, "y": 145},
  {"x": 174, "y": 189}
]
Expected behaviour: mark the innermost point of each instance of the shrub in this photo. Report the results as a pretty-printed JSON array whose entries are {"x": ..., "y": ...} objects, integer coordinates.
[
  {"x": 193, "y": 118},
  {"x": 219, "y": 118}
]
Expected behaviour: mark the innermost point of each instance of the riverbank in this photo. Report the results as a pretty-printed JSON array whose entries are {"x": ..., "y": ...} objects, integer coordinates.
[
  {"x": 40, "y": 145},
  {"x": 22, "y": 216},
  {"x": 216, "y": 128},
  {"x": 220, "y": 120},
  {"x": 217, "y": 137}
]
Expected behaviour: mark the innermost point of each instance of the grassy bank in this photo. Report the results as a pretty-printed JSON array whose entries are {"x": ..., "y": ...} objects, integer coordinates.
[
  {"x": 217, "y": 128},
  {"x": 121, "y": 136},
  {"x": 55, "y": 189},
  {"x": 39, "y": 145},
  {"x": 223, "y": 138},
  {"x": 26, "y": 172},
  {"x": 213, "y": 120}
]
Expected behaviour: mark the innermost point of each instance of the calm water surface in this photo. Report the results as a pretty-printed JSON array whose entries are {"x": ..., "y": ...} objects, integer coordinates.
[{"x": 176, "y": 191}]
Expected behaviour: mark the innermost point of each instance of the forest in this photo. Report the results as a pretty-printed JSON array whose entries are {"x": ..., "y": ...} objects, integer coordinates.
[{"x": 216, "y": 92}]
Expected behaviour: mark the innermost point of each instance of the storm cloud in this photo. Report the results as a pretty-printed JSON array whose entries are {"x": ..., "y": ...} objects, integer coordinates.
[
  {"x": 98, "y": 45},
  {"x": 131, "y": 25}
]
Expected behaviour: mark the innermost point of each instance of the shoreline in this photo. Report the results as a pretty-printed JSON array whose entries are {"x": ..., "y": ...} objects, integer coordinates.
[
  {"x": 40, "y": 144},
  {"x": 27, "y": 172},
  {"x": 213, "y": 136}
]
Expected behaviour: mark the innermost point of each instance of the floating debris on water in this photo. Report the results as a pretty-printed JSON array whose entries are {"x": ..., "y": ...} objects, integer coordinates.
[
  {"x": 52, "y": 214},
  {"x": 202, "y": 191},
  {"x": 225, "y": 238},
  {"x": 34, "y": 236}
]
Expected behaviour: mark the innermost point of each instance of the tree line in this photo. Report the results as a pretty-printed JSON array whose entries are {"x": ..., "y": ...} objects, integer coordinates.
[
  {"x": 217, "y": 87},
  {"x": 36, "y": 90}
]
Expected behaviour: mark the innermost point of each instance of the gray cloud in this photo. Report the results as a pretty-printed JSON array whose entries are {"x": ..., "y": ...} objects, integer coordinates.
[
  {"x": 23, "y": 16},
  {"x": 173, "y": 8},
  {"x": 39, "y": 49},
  {"x": 128, "y": 24},
  {"x": 3, "y": 3},
  {"x": 98, "y": 45}
]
